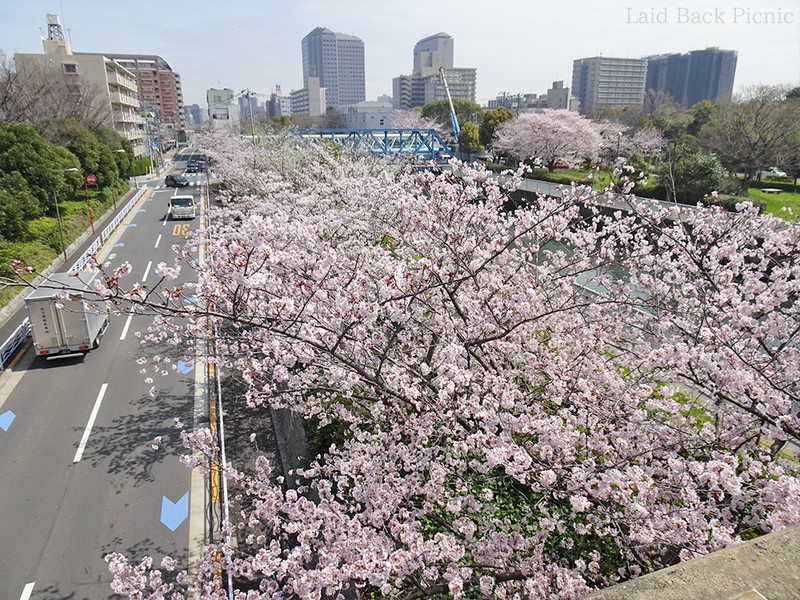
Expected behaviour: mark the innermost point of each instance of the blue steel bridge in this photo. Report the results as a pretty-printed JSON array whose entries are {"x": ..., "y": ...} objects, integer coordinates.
[{"x": 425, "y": 144}]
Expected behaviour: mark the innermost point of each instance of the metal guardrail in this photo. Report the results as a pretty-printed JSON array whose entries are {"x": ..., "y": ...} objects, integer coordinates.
[
  {"x": 13, "y": 342},
  {"x": 107, "y": 232},
  {"x": 8, "y": 347}
]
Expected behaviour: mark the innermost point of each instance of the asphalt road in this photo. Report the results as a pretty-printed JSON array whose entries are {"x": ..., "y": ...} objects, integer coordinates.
[{"x": 79, "y": 477}]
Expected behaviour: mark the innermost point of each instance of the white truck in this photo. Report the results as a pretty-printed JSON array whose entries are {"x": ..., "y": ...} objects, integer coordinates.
[
  {"x": 67, "y": 316},
  {"x": 182, "y": 207}
]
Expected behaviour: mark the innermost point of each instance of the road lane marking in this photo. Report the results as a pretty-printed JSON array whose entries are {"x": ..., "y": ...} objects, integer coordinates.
[
  {"x": 147, "y": 271},
  {"x": 90, "y": 424},
  {"x": 158, "y": 240},
  {"x": 27, "y": 591},
  {"x": 125, "y": 329}
]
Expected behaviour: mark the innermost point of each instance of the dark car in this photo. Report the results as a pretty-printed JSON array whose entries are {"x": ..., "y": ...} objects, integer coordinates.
[
  {"x": 176, "y": 181},
  {"x": 192, "y": 167}
]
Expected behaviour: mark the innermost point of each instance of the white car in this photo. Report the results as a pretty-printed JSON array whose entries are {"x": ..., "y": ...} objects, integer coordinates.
[{"x": 773, "y": 171}]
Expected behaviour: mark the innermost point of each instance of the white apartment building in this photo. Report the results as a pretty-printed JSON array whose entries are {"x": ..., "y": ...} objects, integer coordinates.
[
  {"x": 92, "y": 71},
  {"x": 311, "y": 101}
]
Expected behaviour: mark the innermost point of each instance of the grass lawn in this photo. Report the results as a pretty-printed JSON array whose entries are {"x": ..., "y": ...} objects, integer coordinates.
[{"x": 775, "y": 202}]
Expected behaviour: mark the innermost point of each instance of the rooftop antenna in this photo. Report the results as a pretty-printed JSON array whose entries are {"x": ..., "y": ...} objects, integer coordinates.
[{"x": 69, "y": 31}]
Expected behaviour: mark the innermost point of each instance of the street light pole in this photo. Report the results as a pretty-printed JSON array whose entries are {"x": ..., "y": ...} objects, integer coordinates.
[
  {"x": 58, "y": 213},
  {"x": 60, "y": 229},
  {"x": 86, "y": 187},
  {"x": 247, "y": 93}
]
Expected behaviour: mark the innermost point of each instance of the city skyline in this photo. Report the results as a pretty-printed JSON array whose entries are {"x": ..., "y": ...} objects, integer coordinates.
[{"x": 517, "y": 46}]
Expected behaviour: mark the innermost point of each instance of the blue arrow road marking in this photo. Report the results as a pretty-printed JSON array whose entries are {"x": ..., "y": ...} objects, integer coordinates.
[
  {"x": 185, "y": 367},
  {"x": 142, "y": 210},
  {"x": 120, "y": 245},
  {"x": 5, "y": 420},
  {"x": 133, "y": 225},
  {"x": 173, "y": 514}
]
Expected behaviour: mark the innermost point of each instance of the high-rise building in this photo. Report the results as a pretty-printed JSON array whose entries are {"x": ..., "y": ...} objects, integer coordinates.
[
  {"x": 601, "y": 83},
  {"x": 425, "y": 85},
  {"x": 694, "y": 76},
  {"x": 433, "y": 52},
  {"x": 158, "y": 84},
  {"x": 337, "y": 61},
  {"x": 87, "y": 72}
]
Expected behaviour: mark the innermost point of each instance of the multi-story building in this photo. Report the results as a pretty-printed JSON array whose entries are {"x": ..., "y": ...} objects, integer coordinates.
[
  {"x": 311, "y": 101},
  {"x": 433, "y": 52},
  {"x": 692, "y": 77},
  {"x": 337, "y": 61},
  {"x": 425, "y": 84},
  {"x": 116, "y": 84},
  {"x": 279, "y": 105},
  {"x": 602, "y": 82},
  {"x": 221, "y": 109},
  {"x": 250, "y": 107},
  {"x": 157, "y": 84},
  {"x": 369, "y": 115},
  {"x": 193, "y": 116}
]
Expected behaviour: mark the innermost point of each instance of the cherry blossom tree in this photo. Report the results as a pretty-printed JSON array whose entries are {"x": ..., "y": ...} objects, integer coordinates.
[
  {"x": 533, "y": 404},
  {"x": 620, "y": 140},
  {"x": 413, "y": 119},
  {"x": 550, "y": 135}
]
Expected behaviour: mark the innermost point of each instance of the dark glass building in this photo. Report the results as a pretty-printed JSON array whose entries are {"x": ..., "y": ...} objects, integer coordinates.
[{"x": 694, "y": 76}]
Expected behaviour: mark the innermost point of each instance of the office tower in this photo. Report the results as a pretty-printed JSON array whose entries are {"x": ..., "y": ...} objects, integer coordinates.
[
  {"x": 337, "y": 61},
  {"x": 424, "y": 85}
]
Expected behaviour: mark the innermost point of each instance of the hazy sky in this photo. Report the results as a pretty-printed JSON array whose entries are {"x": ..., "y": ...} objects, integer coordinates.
[{"x": 517, "y": 46}]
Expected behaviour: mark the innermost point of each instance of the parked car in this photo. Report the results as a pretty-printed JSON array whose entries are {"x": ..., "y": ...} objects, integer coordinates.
[
  {"x": 176, "y": 181},
  {"x": 773, "y": 172},
  {"x": 560, "y": 165}
]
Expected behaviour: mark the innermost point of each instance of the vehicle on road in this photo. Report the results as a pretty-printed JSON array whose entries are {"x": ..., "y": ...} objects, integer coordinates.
[
  {"x": 773, "y": 172},
  {"x": 182, "y": 207},
  {"x": 176, "y": 181},
  {"x": 192, "y": 167},
  {"x": 67, "y": 316}
]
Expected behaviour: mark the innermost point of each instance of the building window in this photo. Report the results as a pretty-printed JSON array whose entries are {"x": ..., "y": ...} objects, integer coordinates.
[{"x": 70, "y": 68}]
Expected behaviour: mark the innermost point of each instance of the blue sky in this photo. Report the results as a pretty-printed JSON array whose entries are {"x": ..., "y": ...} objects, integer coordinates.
[{"x": 518, "y": 46}]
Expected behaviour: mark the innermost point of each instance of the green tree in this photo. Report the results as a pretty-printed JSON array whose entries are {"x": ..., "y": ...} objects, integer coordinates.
[
  {"x": 701, "y": 114},
  {"x": 40, "y": 163},
  {"x": 17, "y": 207},
  {"x": 490, "y": 121},
  {"x": 689, "y": 174},
  {"x": 282, "y": 121},
  {"x": 469, "y": 138},
  {"x": 94, "y": 156},
  {"x": 753, "y": 133},
  {"x": 466, "y": 112}
]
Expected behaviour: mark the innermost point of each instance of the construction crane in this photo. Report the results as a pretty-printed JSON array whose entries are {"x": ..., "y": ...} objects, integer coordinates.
[{"x": 453, "y": 118}]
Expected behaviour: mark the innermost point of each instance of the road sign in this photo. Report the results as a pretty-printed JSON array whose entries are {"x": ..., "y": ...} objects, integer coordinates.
[
  {"x": 91, "y": 179},
  {"x": 154, "y": 144}
]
